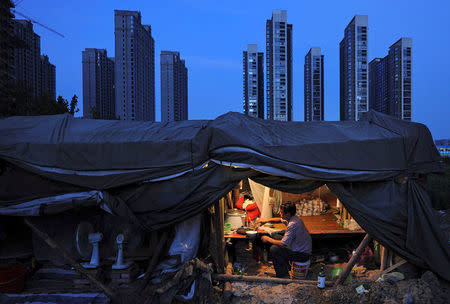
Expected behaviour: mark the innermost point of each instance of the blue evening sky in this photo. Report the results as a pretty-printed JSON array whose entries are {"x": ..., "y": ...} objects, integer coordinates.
[{"x": 211, "y": 35}]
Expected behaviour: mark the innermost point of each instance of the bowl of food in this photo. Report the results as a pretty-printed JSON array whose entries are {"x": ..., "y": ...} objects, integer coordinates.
[{"x": 251, "y": 234}]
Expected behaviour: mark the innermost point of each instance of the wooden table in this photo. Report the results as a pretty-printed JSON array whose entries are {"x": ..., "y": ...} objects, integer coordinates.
[
  {"x": 317, "y": 225},
  {"x": 326, "y": 224}
]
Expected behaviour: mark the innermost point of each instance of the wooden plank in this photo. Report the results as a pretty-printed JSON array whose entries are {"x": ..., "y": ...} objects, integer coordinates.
[
  {"x": 235, "y": 236},
  {"x": 353, "y": 260},
  {"x": 228, "y": 278}
]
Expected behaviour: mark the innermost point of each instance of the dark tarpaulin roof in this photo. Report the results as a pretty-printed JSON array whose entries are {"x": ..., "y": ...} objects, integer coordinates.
[{"x": 155, "y": 173}]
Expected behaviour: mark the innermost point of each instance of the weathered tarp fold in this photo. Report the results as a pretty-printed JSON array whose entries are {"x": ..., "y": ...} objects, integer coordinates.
[
  {"x": 158, "y": 174},
  {"x": 399, "y": 216}
]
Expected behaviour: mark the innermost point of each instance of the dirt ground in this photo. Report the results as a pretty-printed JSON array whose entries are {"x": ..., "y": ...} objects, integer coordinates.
[
  {"x": 416, "y": 288},
  {"x": 426, "y": 289}
]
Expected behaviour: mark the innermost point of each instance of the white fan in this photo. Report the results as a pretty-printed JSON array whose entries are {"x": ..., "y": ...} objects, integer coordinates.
[
  {"x": 120, "y": 263},
  {"x": 86, "y": 242}
]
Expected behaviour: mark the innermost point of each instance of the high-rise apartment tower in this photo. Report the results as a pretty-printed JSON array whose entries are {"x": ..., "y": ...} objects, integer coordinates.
[
  {"x": 32, "y": 70},
  {"x": 279, "y": 67},
  {"x": 98, "y": 84},
  {"x": 253, "y": 66},
  {"x": 391, "y": 81},
  {"x": 314, "y": 95},
  {"x": 47, "y": 77},
  {"x": 134, "y": 68},
  {"x": 354, "y": 99},
  {"x": 27, "y": 59},
  {"x": 174, "y": 87}
]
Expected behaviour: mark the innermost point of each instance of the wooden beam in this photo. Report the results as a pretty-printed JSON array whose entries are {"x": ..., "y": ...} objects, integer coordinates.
[
  {"x": 391, "y": 268},
  {"x": 258, "y": 279},
  {"x": 353, "y": 260},
  {"x": 55, "y": 245}
]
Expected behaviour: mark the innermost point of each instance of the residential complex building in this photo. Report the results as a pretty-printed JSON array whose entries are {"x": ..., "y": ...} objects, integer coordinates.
[
  {"x": 378, "y": 85},
  {"x": 27, "y": 59},
  {"x": 134, "y": 67},
  {"x": 98, "y": 84},
  {"x": 174, "y": 87},
  {"x": 314, "y": 95},
  {"x": 391, "y": 81},
  {"x": 353, "y": 54},
  {"x": 7, "y": 41},
  {"x": 400, "y": 78},
  {"x": 253, "y": 66},
  {"x": 47, "y": 76},
  {"x": 279, "y": 67},
  {"x": 31, "y": 69}
]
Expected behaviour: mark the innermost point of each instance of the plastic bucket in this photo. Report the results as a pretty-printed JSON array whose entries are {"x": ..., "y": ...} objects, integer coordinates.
[
  {"x": 300, "y": 270},
  {"x": 12, "y": 279}
]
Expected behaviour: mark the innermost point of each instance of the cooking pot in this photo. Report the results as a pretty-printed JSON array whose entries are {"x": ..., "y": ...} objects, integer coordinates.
[{"x": 236, "y": 218}]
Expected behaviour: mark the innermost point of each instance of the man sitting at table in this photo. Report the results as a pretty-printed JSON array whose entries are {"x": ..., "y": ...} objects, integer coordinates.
[{"x": 296, "y": 243}]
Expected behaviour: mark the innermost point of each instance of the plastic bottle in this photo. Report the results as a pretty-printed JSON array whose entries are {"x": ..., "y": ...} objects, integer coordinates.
[{"x": 321, "y": 279}]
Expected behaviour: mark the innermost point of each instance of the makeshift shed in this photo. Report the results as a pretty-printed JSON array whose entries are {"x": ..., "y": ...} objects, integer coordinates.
[{"x": 157, "y": 174}]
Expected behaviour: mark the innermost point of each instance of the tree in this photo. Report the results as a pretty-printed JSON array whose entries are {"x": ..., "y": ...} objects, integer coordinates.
[
  {"x": 20, "y": 101},
  {"x": 73, "y": 105},
  {"x": 47, "y": 105}
]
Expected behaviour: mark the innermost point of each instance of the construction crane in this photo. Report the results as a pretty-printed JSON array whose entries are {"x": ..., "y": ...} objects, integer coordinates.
[{"x": 36, "y": 22}]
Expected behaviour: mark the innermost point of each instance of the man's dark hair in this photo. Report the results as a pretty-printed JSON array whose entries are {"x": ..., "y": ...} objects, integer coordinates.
[{"x": 289, "y": 207}]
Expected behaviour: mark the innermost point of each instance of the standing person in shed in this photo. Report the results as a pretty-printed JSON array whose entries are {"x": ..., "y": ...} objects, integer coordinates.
[{"x": 296, "y": 243}]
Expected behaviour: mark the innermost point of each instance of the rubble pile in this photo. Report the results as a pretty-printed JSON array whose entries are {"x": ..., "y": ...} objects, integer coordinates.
[
  {"x": 426, "y": 289},
  {"x": 192, "y": 283}
]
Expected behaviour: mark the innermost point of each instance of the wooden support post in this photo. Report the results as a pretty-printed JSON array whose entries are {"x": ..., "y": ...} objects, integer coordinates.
[
  {"x": 341, "y": 279},
  {"x": 217, "y": 240},
  {"x": 230, "y": 204},
  {"x": 55, "y": 245},
  {"x": 236, "y": 194},
  {"x": 228, "y": 289},
  {"x": 384, "y": 258},
  {"x": 390, "y": 260},
  {"x": 155, "y": 257},
  {"x": 220, "y": 214}
]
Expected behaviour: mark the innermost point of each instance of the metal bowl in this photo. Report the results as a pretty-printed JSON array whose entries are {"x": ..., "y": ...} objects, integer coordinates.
[{"x": 251, "y": 234}]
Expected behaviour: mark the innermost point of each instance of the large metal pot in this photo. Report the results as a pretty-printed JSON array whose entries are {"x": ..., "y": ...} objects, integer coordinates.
[{"x": 236, "y": 218}]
